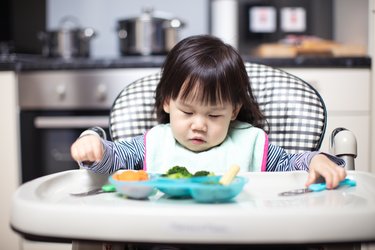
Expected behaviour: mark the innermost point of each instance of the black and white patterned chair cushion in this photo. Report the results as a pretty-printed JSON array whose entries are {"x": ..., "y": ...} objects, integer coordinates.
[{"x": 295, "y": 112}]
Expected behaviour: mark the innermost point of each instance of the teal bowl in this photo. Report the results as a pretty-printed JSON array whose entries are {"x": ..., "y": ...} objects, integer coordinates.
[
  {"x": 208, "y": 189},
  {"x": 175, "y": 188}
]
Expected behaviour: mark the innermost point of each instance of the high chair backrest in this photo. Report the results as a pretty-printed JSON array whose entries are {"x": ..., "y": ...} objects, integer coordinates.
[{"x": 295, "y": 111}]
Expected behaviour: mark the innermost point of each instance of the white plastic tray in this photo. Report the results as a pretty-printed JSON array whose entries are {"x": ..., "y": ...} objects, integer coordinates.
[{"x": 258, "y": 215}]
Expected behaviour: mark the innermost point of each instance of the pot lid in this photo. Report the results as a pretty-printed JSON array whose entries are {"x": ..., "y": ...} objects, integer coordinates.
[
  {"x": 148, "y": 14},
  {"x": 69, "y": 23}
]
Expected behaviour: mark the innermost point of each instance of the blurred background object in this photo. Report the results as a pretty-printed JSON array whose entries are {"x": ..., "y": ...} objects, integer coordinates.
[
  {"x": 150, "y": 33},
  {"x": 69, "y": 40},
  {"x": 246, "y": 24},
  {"x": 90, "y": 13}
]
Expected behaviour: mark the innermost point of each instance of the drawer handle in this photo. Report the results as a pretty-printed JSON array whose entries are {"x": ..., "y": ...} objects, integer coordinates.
[{"x": 46, "y": 122}]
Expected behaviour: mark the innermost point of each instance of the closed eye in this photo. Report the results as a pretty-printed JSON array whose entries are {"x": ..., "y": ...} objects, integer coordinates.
[
  {"x": 187, "y": 112},
  {"x": 215, "y": 116}
]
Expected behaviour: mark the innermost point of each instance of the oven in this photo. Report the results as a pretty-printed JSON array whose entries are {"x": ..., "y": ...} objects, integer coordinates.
[{"x": 57, "y": 106}]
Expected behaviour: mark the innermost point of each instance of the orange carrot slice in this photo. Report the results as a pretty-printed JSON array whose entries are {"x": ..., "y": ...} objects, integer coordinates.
[{"x": 131, "y": 175}]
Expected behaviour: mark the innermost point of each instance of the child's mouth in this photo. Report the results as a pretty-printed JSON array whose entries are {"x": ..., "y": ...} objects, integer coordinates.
[{"x": 197, "y": 141}]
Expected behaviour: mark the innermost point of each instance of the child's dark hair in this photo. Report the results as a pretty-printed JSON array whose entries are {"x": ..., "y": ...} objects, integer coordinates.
[{"x": 217, "y": 68}]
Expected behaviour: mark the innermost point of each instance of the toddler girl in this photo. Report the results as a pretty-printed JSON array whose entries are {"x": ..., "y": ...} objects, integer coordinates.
[{"x": 209, "y": 120}]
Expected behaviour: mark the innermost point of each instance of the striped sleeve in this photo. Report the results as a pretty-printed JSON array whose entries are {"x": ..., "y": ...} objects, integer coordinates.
[
  {"x": 279, "y": 160},
  {"x": 127, "y": 154}
]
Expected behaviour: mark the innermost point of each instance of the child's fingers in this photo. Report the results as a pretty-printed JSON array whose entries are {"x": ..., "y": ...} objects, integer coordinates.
[
  {"x": 88, "y": 148},
  {"x": 332, "y": 175},
  {"x": 321, "y": 165},
  {"x": 337, "y": 174},
  {"x": 98, "y": 152},
  {"x": 312, "y": 177}
]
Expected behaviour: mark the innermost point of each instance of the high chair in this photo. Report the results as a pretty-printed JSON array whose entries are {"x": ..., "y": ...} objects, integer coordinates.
[
  {"x": 297, "y": 119},
  {"x": 295, "y": 111}
]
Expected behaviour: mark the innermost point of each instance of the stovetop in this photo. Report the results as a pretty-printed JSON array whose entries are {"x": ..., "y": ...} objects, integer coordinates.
[{"x": 24, "y": 62}]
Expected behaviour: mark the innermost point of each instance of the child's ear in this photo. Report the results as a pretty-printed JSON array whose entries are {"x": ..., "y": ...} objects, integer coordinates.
[
  {"x": 166, "y": 106},
  {"x": 236, "y": 110}
]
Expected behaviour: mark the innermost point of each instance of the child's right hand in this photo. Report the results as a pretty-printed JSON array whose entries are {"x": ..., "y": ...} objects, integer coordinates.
[{"x": 88, "y": 148}]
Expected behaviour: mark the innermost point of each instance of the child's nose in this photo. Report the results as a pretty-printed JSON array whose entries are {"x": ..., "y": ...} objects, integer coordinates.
[{"x": 199, "y": 123}]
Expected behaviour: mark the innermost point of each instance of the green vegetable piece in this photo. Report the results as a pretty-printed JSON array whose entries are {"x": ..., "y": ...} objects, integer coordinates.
[
  {"x": 201, "y": 173},
  {"x": 177, "y": 172},
  {"x": 178, "y": 176}
]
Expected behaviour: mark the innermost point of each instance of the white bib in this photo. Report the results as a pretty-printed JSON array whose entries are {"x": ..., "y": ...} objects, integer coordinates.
[{"x": 244, "y": 145}]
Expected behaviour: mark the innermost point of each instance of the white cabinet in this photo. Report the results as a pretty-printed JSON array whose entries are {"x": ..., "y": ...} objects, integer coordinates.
[
  {"x": 9, "y": 167},
  {"x": 346, "y": 93},
  {"x": 36, "y": 245},
  {"x": 372, "y": 54}
]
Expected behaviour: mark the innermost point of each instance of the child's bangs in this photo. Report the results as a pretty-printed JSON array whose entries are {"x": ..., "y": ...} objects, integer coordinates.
[{"x": 205, "y": 87}]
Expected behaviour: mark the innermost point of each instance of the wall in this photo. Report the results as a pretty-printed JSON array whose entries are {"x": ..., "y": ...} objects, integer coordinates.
[
  {"x": 351, "y": 19},
  {"x": 102, "y": 15}
]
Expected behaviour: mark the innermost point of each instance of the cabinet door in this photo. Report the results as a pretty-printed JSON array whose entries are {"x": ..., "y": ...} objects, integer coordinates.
[
  {"x": 36, "y": 245},
  {"x": 9, "y": 157},
  {"x": 346, "y": 93}
]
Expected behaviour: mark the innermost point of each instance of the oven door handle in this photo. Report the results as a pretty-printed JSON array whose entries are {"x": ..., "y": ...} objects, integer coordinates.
[{"x": 47, "y": 122}]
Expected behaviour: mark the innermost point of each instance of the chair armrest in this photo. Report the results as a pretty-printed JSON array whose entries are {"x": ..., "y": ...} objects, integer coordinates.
[{"x": 343, "y": 144}]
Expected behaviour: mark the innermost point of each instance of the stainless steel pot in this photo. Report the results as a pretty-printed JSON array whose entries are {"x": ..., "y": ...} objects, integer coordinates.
[
  {"x": 69, "y": 41},
  {"x": 148, "y": 34}
]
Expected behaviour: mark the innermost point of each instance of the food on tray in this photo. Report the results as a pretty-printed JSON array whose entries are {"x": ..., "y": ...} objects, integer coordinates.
[
  {"x": 131, "y": 175},
  {"x": 215, "y": 192},
  {"x": 228, "y": 177},
  {"x": 203, "y": 173},
  {"x": 133, "y": 184},
  {"x": 178, "y": 172},
  {"x": 177, "y": 183}
]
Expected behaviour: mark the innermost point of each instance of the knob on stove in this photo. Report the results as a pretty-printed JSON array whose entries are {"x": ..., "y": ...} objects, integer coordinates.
[
  {"x": 101, "y": 92},
  {"x": 61, "y": 91}
]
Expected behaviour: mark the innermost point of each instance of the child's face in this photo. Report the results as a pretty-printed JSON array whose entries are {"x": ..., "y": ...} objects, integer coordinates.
[{"x": 199, "y": 126}]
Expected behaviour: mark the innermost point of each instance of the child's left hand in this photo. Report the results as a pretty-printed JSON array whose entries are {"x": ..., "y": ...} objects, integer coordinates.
[{"x": 322, "y": 166}]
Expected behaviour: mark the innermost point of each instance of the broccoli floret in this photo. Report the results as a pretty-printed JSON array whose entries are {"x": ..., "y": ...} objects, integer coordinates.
[
  {"x": 201, "y": 173},
  {"x": 177, "y": 172},
  {"x": 178, "y": 176}
]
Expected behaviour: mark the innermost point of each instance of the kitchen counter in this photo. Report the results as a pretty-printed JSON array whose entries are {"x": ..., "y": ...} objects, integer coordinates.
[
  {"x": 313, "y": 62},
  {"x": 35, "y": 62}
]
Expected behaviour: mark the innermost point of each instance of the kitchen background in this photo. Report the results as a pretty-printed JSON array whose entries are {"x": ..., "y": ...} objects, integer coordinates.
[
  {"x": 327, "y": 18},
  {"x": 103, "y": 17},
  {"x": 344, "y": 21},
  {"x": 195, "y": 14}
]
